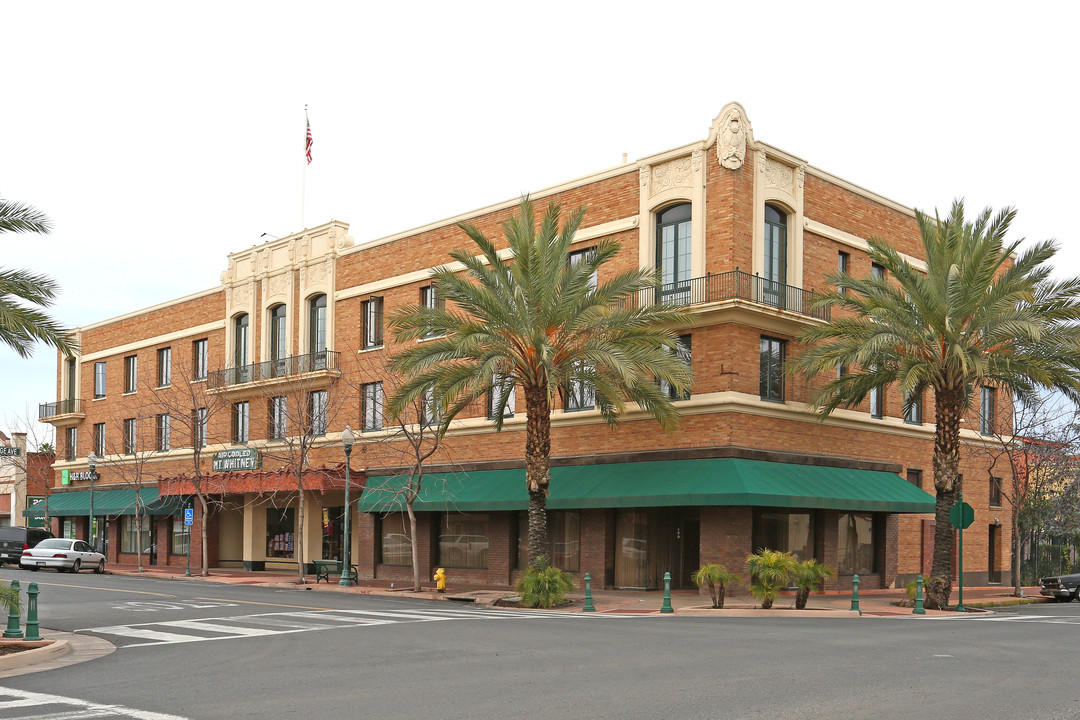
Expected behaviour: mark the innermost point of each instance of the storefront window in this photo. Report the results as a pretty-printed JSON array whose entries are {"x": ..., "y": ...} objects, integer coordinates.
[
  {"x": 396, "y": 544},
  {"x": 463, "y": 541},
  {"x": 69, "y": 529},
  {"x": 856, "y": 547},
  {"x": 280, "y": 526},
  {"x": 178, "y": 545},
  {"x": 791, "y": 532},
  {"x": 130, "y": 535},
  {"x": 333, "y": 525},
  {"x": 564, "y": 535}
]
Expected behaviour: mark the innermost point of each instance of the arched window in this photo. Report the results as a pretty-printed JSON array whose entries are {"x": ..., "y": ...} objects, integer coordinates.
[
  {"x": 240, "y": 340},
  {"x": 673, "y": 252},
  {"x": 775, "y": 244},
  {"x": 317, "y": 324},
  {"x": 278, "y": 337}
]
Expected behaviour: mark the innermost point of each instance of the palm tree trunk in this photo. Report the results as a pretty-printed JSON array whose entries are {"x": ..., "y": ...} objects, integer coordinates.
[
  {"x": 948, "y": 406},
  {"x": 537, "y": 467}
]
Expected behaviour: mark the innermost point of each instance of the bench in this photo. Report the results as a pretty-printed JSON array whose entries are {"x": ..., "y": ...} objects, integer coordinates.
[{"x": 323, "y": 569}]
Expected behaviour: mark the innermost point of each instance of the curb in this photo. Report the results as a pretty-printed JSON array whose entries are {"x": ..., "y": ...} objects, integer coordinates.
[{"x": 43, "y": 650}]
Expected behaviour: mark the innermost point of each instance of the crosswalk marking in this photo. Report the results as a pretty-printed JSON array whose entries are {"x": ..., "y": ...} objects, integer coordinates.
[
  {"x": 1008, "y": 617},
  {"x": 67, "y": 708}
]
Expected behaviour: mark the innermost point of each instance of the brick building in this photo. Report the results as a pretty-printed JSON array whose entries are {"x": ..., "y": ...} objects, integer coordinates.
[{"x": 292, "y": 341}]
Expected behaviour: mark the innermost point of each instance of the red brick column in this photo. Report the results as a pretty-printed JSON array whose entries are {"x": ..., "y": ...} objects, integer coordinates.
[{"x": 726, "y": 538}]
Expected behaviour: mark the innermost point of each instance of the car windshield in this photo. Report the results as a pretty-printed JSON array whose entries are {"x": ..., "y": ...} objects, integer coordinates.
[{"x": 54, "y": 544}]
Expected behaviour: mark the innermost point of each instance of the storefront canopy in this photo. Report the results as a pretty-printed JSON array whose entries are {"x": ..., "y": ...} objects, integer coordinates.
[
  {"x": 711, "y": 481},
  {"x": 107, "y": 503}
]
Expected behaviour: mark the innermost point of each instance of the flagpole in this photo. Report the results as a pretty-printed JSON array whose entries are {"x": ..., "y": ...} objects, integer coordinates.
[{"x": 303, "y": 185}]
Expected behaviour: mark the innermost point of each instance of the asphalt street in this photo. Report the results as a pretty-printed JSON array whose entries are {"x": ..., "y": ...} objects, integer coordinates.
[{"x": 201, "y": 650}]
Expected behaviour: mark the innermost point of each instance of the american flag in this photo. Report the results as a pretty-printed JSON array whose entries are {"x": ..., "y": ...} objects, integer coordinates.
[{"x": 308, "y": 143}]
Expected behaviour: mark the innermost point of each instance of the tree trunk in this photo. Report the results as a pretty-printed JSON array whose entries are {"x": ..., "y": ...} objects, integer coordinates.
[
  {"x": 718, "y": 602},
  {"x": 801, "y": 596},
  {"x": 298, "y": 546},
  {"x": 414, "y": 546},
  {"x": 138, "y": 535},
  {"x": 537, "y": 467},
  {"x": 948, "y": 404},
  {"x": 1017, "y": 590},
  {"x": 202, "y": 535}
]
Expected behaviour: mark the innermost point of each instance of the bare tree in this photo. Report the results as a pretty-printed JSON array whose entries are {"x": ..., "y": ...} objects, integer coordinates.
[{"x": 135, "y": 442}]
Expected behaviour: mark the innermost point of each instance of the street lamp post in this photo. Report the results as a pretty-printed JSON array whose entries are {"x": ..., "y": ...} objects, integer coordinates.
[
  {"x": 347, "y": 439},
  {"x": 91, "y": 460}
]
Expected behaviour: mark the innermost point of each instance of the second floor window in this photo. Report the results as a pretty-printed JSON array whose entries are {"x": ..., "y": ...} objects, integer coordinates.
[
  {"x": 317, "y": 412},
  {"x": 241, "y": 425},
  {"x": 995, "y": 491},
  {"x": 913, "y": 415},
  {"x": 131, "y": 373},
  {"x": 580, "y": 255},
  {"x": 500, "y": 388},
  {"x": 99, "y": 439},
  {"x": 71, "y": 440},
  {"x": 877, "y": 403},
  {"x": 372, "y": 405},
  {"x": 842, "y": 261},
  {"x": 240, "y": 340},
  {"x": 673, "y": 254},
  {"x": 772, "y": 369},
  {"x": 199, "y": 422},
  {"x": 429, "y": 411},
  {"x": 429, "y": 298},
  {"x": 278, "y": 418},
  {"x": 580, "y": 394},
  {"x": 684, "y": 352},
  {"x": 278, "y": 335},
  {"x": 987, "y": 409},
  {"x": 317, "y": 324},
  {"x": 130, "y": 436},
  {"x": 373, "y": 322},
  {"x": 200, "y": 359},
  {"x": 164, "y": 433},
  {"x": 99, "y": 379},
  {"x": 877, "y": 271},
  {"x": 164, "y": 367},
  {"x": 775, "y": 263}
]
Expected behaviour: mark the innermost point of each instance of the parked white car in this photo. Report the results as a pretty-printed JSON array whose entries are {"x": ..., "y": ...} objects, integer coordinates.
[{"x": 62, "y": 554}]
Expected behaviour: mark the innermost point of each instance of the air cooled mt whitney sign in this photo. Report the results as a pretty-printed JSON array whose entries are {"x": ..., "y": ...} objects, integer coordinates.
[{"x": 237, "y": 459}]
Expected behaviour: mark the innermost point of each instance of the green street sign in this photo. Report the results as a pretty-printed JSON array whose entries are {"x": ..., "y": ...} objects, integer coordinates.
[
  {"x": 8, "y": 451},
  {"x": 961, "y": 515},
  {"x": 237, "y": 459}
]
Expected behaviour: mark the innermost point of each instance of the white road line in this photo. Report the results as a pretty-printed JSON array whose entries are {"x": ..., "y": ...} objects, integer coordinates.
[
  {"x": 83, "y": 708},
  {"x": 223, "y": 629},
  {"x": 143, "y": 633}
]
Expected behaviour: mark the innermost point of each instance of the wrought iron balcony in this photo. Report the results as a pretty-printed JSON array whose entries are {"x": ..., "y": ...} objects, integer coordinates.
[
  {"x": 273, "y": 371},
  {"x": 61, "y": 411},
  {"x": 735, "y": 285}
]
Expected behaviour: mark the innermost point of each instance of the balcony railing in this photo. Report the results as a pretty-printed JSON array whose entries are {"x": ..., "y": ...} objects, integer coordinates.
[
  {"x": 735, "y": 285},
  {"x": 60, "y": 407},
  {"x": 273, "y": 369}
]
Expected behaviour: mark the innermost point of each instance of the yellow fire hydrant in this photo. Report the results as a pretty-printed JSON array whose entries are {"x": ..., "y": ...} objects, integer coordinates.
[{"x": 440, "y": 580}]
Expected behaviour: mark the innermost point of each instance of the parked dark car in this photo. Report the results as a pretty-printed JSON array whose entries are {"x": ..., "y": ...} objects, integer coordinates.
[
  {"x": 1062, "y": 588},
  {"x": 13, "y": 540}
]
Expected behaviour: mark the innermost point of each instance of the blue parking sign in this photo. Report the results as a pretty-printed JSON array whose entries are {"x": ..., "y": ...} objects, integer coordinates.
[{"x": 189, "y": 516}]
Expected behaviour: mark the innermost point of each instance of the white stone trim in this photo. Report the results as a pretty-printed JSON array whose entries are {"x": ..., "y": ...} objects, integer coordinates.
[
  {"x": 788, "y": 194},
  {"x": 654, "y": 194},
  {"x": 854, "y": 241},
  {"x": 156, "y": 340}
]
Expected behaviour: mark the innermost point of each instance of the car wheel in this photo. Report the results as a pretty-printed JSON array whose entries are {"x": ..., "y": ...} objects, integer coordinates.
[
  {"x": 100, "y": 567},
  {"x": 77, "y": 566}
]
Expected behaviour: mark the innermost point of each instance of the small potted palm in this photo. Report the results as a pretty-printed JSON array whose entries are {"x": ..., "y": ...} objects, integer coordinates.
[
  {"x": 808, "y": 575},
  {"x": 770, "y": 572},
  {"x": 716, "y": 577}
]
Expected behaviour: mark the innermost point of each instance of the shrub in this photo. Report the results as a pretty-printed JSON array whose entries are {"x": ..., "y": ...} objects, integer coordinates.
[
  {"x": 543, "y": 586},
  {"x": 770, "y": 572},
  {"x": 910, "y": 588},
  {"x": 717, "y": 578},
  {"x": 9, "y": 597},
  {"x": 809, "y": 574}
]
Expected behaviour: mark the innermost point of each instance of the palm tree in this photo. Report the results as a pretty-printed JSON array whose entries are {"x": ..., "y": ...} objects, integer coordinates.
[
  {"x": 976, "y": 318},
  {"x": 717, "y": 578},
  {"x": 21, "y": 326},
  {"x": 808, "y": 575},
  {"x": 541, "y": 322},
  {"x": 770, "y": 572}
]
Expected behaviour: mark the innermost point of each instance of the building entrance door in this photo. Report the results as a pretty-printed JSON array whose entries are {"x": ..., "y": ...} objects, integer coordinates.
[
  {"x": 152, "y": 549},
  {"x": 993, "y": 574},
  {"x": 651, "y": 542}
]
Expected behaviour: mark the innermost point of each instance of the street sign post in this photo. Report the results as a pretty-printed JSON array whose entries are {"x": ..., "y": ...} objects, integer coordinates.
[
  {"x": 189, "y": 520},
  {"x": 961, "y": 515}
]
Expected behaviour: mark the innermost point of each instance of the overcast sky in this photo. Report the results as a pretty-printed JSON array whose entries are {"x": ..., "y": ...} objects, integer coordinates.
[{"x": 160, "y": 137}]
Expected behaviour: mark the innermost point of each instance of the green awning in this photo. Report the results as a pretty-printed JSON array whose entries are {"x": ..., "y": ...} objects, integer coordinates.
[
  {"x": 108, "y": 503},
  {"x": 712, "y": 481}
]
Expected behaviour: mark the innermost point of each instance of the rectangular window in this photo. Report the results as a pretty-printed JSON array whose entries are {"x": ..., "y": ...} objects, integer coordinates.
[
  {"x": 995, "y": 491},
  {"x": 791, "y": 532},
  {"x": 396, "y": 544},
  {"x": 914, "y": 477},
  {"x": 131, "y": 373},
  {"x": 164, "y": 367},
  {"x": 372, "y": 404},
  {"x": 71, "y": 438},
  {"x": 877, "y": 271},
  {"x": 200, "y": 359},
  {"x": 856, "y": 546},
  {"x": 178, "y": 543},
  {"x": 373, "y": 322},
  {"x": 130, "y": 436},
  {"x": 841, "y": 370},
  {"x": 429, "y": 298},
  {"x": 772, "y": 369},
  {"x": 913, "y": 415},
  {"x": 131, "y": 538},
  {"x": 430, "y": 414},
  {"x": 241, "y": 422},
  {"x": 578, "y": 256},
  {"x": 278, "y": 417},
  {"x": 463, "y": 541},
  {"x": 877, "y": 405},
  {"x": 495, "y": 397},
  {"x": 987, "y": 410},
  {"x": 564, "y": 535},
  {"x": 317, "y": 412},
  {"x": 99, "y": 379},
  {"x": 198, "y": 427},
  {"x": 333, "y": 524},
  {"x": 580, "y": 394},
  {"x": 280, "y": 532},
  {"x": 843, "y": 260},
  {"x": 164, "y": 433},
  {"x": 685, "y": 354},
  {"x": 99, "y": 439}
]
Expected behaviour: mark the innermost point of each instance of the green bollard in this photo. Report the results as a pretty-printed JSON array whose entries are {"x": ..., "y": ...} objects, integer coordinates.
[
  {"x": 666, "y": 608},
  {"x": 855, "y": 594},
  {"x": 13, "y": 617},
  {"x": 32, "y": 632},
  {"x": 589, "y": 607},
  {"x": 919, "y": 609}
]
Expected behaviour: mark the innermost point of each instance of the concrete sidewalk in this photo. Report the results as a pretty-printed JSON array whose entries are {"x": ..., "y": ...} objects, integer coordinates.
[{"x": 873, "y": 603}]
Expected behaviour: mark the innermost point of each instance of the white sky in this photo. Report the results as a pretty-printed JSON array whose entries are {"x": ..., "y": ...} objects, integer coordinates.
[{"x": 159, "y": 137}]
